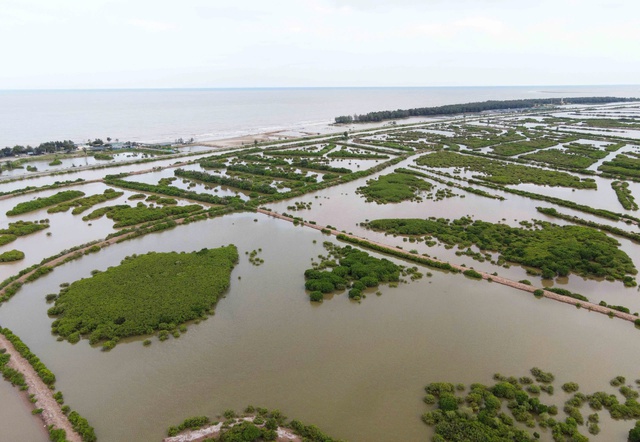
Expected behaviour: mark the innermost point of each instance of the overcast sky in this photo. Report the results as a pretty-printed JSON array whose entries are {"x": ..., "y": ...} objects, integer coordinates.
[{"x": 279, "y": 43}]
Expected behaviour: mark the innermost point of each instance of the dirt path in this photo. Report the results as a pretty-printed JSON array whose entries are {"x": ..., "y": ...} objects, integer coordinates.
[
  {"x": 497, "y": 279},
  {"x": 284, "y": 434},
  {"x": 51, "y": 414}
]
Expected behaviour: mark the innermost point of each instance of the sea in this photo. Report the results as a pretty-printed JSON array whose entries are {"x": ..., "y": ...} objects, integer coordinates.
[{"x": 30, "y": 117}]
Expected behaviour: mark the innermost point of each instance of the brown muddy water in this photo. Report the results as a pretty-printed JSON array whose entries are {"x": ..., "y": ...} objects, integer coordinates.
[{"x": 357, "y": 370}]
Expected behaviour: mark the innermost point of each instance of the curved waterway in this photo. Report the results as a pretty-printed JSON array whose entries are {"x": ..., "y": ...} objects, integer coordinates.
[{"x": 356, "y": 370}]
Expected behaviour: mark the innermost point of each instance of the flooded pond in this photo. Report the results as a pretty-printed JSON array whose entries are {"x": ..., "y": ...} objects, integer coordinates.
[{"x": 355, "y": 369}]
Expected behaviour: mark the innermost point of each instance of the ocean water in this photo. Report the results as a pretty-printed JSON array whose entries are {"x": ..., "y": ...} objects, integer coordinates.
[{"x": 157, "y": 115}]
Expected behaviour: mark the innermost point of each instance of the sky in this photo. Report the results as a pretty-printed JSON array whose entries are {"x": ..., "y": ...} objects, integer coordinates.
[{"x": 69, "y": 44}]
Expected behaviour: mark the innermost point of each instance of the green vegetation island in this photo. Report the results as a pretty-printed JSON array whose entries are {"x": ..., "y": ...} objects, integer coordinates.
[{"x": 144, "y": 294}]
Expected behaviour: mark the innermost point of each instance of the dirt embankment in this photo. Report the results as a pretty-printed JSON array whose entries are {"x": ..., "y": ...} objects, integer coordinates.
[
  {"x": 213, "y": 431},
  {"x": 51, "y": 412}
]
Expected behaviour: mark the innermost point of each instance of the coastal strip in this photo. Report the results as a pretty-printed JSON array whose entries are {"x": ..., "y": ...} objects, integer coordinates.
[{"x": 396, "y": 251}]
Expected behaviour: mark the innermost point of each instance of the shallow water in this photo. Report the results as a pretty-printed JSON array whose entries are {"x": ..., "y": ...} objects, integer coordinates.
[
  {"x": 18, "y": 424},
  {"x": 357, "y": 370}
]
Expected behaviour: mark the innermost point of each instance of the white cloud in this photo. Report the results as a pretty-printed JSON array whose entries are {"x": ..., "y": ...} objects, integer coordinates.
[{"x": 152, "y": 25}]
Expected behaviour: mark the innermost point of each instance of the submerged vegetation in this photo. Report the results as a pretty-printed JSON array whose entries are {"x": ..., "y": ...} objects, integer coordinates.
[{"x": 144, "y": 294}]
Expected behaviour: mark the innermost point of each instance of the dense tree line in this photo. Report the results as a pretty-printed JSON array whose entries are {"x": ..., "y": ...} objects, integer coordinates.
[
  {"x": 474, "y": 107},
  {"x": 477, "y": 414},
  {"x": 624, "y": 195},
  {"x": 29, "y": 189},
  {"x": 11, "y": 256},
  {"x": 256, "y": 424},
  {"x": 47, "y": 147},
  {"x": 21, "y": 228},
  {"x": 622, "y": 165},
  {"x": 550, "y": 211},
  {"x": 255, "y": 169},
  {"x": 450, "y": 183}
]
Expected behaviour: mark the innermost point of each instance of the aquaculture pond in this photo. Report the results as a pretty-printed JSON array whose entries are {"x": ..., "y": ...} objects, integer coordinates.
[{"x": 356, "y": 369}]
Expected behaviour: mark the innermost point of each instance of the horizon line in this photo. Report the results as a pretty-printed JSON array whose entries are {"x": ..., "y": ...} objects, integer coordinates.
[{"x": 302, "y": 87}]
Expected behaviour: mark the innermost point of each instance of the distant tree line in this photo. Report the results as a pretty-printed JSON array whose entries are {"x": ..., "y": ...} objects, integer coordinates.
[
  {"x": 48, "y": 147},
  {"x": 474, "y": 107}
]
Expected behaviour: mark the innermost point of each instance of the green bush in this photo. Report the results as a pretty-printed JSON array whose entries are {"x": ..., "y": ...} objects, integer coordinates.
[
  {"x": 570, "y": 387},
  {"x": 11, "y": 256}
]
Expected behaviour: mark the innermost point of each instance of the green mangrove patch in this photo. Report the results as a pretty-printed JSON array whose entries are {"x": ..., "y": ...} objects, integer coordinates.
[
  {"x": 502, "y": 173},
  {"x": 40, "y": 203},
  {"x": 393, "y": 188},
  {"x": 21, "y": 228},
  {"x": 476, "y": 413},
  {"x": 81, "y": 204},
  {"x": 351, "y": 269},
  {"x": 11, "y": 256},
  {"x": 621, "y": 188},
  {"x": 554, "y": 249},
  {"x": 125, "y": 215},
  {"x": 144, "y": 294}
]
